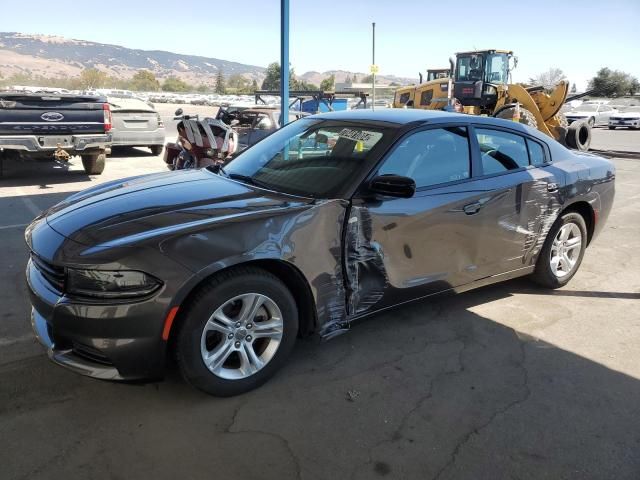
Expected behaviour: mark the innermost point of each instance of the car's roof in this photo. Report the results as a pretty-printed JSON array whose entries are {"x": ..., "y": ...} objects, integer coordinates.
[{"x": 403, "y": 116}]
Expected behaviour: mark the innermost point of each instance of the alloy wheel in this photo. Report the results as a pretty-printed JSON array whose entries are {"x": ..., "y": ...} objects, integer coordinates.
[
  {"x": 565, "y": 250},
  {"x": 241, "y": 336}
]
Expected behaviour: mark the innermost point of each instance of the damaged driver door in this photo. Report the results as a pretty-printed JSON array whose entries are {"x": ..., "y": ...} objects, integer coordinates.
[{"x": 399, "y": 249}]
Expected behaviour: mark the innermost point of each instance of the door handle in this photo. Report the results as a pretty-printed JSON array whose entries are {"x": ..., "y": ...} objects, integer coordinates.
[
  {"x": 472, "y": 208},
  {"x": 552, "y": 187}
]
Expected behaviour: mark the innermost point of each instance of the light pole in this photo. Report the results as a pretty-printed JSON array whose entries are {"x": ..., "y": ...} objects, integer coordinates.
[
  {"x": 284, "y": 62},
  {"x": 373, "y": 68}
]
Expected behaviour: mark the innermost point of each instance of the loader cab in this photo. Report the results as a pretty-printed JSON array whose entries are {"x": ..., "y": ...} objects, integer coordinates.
[
  {"x": 437, "y": 74},
  {"x": 480, "y": 77}
]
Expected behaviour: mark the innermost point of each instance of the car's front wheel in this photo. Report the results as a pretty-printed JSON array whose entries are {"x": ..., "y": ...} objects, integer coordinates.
[
  {"x": 236, "y": 332},
  {"x": 562, "y": 251}
]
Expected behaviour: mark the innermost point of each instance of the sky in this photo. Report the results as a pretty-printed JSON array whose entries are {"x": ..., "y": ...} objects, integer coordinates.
[{"x": 411, "y": 35}]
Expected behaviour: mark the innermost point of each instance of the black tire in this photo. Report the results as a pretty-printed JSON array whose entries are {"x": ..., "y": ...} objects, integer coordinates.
[
  {"x": 579, "y": 136},
  {"x": 205, "y": 302},
  {"x": 543, "y": 274},
  {"x": 156, "y": 149},
  {"x": 93, "y": 163},
  {"x": 526, "y": 117},
  {"x": 611, "y": 127}
]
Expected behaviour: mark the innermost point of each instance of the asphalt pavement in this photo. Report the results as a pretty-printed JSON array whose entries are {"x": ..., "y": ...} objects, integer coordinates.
[{"x": 508, "y": 381}]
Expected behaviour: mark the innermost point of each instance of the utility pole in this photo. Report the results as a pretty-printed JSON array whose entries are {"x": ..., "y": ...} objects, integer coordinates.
[
  {"x": 373, "y": 68},
  {"x": 284, "y": 62}
]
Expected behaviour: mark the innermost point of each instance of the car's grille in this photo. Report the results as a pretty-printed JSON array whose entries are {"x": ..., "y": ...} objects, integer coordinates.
[
  {"x": 90, "y": 353},
  {"x": 53, "y": 273}
]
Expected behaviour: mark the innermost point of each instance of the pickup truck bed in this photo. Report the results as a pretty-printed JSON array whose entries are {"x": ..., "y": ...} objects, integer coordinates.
[{"x": 55, "y": 126}]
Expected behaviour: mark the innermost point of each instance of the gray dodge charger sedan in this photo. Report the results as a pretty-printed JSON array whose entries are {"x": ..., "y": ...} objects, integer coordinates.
[{"x": 329, "y": 219}]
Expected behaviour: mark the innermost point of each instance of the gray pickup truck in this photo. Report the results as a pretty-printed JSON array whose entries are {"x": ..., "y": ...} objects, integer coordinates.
[{"x": 55, "y": 126}]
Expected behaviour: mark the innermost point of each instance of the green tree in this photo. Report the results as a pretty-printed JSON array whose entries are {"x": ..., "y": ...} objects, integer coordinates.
[
  {"x": 239, "y": 83},
  {"x": 91, "y": 78},
  {"x": 145, "y": 81},
  {"x": 254, "y": 85},
  {"x": 173, "y": 84},
  {"x": 634, "y": 86},
  {"x": 328, "y": 84},
  {"x": 220, "y": 83},
  {"x": 272, "y": 78},
  {"x": 612, "y": 83},
  {"x": 202, "y": 88}
]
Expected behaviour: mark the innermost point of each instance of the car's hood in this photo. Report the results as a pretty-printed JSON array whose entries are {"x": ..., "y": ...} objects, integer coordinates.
[
  {"x": 126, "y": 211},
  {"x": 578, "y": 113},
  {"x": 627, "y": 115}
]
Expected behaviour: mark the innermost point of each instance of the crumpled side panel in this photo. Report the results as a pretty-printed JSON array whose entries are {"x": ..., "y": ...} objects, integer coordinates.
[
  {"x": 364, "y": 263},
  {"x": 543, "y": 212}
]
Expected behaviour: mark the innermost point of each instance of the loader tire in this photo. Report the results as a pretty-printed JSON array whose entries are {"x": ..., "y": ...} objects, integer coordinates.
[
  {"x": 579, "y": 136},
  {"x": 526, "y": 117},
  {"x": 93, "y": 163}
]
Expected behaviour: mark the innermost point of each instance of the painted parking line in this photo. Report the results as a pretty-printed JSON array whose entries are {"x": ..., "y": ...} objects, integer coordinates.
[
  {"x": 32, "y": 207},
  {"x": 17, "y": 225}
]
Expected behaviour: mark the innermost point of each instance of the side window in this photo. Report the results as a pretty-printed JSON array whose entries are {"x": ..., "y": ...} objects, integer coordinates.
[
  {"x": 430, "y": 157},
  {"x": 426, "y": 96},
  {"x": 536, "y": 153},
  {"x": 501, "y": 151},
  {"x": 404, "y": 97}
]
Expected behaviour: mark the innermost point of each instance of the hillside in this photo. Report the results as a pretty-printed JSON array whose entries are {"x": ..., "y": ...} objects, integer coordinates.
[
  {"x": 56, "y": 56},
  {"x": 52, "y": 56}
]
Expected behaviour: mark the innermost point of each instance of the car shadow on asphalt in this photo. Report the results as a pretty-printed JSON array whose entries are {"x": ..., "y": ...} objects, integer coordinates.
[
  {"x": 428, "y": 390},
  {"x": 127, "y": 152},
  {"x": 43, "y": 173}
]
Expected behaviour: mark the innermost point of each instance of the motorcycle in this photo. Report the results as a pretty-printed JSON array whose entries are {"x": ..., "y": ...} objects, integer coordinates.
[{"x": 200, "y": 143}]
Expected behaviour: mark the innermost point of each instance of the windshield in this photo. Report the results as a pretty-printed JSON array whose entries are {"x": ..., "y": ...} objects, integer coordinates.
[
  {"x": 312, "y": 158},
  {"x": 497, "y": 64},
  {"x": 469, "y": 68},
  {"x": 587, "y": 108}
]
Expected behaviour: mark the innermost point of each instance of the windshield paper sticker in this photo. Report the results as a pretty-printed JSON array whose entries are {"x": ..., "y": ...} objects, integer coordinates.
[{"x": 356, "y": 135}]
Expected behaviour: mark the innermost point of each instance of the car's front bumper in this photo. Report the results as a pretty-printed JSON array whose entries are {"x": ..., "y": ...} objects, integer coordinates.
[
  {"x": 624, "y": 122},
  {"x": 117, "y": 341}
]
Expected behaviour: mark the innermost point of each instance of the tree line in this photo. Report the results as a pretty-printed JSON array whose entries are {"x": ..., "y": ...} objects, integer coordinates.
[
  {"x": 142, "y": 81},
  {"x": 606, "y": 82}
]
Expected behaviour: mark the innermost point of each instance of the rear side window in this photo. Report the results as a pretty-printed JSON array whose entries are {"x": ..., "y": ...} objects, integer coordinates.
[
  {"x": 426, "y": 96},
  {"x": 536, "y": 153},
  {"x": 501, "y": 151},
  {"x": 431, "y": 157}
]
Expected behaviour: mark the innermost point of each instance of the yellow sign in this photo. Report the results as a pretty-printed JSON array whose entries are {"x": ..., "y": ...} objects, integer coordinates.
[{"x": 374, "y": 69}]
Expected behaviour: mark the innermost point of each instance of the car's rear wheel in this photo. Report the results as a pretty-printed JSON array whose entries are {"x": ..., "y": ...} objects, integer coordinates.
[
  {"x": 237, "y": 331},
  {"x": 156, "y": 149},
  {"x": 562, "y": 252},
  {"x": 93, "y": 164}
]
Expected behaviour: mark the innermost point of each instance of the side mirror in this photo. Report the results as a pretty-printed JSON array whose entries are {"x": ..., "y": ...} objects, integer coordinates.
[
  {"x": 178, "y": 112},
  {"x": 393, "y": 186}
]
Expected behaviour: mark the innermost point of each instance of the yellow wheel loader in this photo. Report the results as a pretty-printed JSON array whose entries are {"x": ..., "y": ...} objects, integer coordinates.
[{"x": 479, "y": 84}]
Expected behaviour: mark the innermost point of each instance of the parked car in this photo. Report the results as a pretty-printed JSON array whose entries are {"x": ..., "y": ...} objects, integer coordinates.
[
  {"x": 593, "y": 114},
  {"x": 136, "y": 124},
  {"x": 56, "y": 126},
  {"x": 253, "y": 124},
  {"x": 297, "y": 236},
  {"x": 629, "y": 117}
]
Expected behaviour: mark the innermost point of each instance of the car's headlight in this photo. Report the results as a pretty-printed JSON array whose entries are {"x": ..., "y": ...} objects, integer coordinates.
[{"x": 110, "y": 284}]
